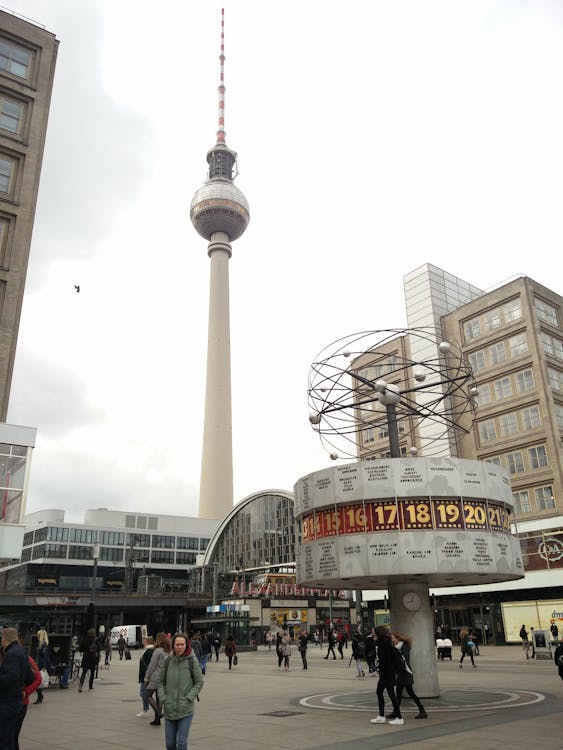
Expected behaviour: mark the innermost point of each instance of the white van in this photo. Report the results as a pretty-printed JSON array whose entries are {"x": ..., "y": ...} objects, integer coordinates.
[{"x": 133, "y": 635}]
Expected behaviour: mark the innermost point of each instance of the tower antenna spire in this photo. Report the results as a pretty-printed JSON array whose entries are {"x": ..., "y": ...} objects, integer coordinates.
[{"x": 221, "y": 124}]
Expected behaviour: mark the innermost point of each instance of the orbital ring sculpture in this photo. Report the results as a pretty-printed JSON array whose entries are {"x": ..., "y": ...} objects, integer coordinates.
[{"x": 372, "y": 381}]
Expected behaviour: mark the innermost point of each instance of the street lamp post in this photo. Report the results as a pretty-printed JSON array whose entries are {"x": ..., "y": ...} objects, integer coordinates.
[{"x": 94, "y": 576}]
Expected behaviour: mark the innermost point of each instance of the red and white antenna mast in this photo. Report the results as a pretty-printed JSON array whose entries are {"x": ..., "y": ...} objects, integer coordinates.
[{"x": 221, "y": 128}]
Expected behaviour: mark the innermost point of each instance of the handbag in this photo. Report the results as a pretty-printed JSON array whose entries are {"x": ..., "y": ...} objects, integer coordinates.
[
  {"x": 235, "y": 660},
  {"x": 44, "y": 678}
]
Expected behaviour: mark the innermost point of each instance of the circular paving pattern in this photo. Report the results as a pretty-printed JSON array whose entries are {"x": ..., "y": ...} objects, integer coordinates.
[{"x": 448, "y": 701}]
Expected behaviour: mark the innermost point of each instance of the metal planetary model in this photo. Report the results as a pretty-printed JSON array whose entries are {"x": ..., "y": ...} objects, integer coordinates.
[
  {"x": 220, "y": 213},
  {"x": 404, "y": 522}
]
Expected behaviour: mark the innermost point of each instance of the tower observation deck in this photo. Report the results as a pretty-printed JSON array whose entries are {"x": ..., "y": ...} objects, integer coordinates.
[{"x": 220, "y": 213}]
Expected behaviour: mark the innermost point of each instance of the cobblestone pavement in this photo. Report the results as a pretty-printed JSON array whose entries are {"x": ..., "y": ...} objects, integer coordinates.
[{"x": 505, "y": 701}]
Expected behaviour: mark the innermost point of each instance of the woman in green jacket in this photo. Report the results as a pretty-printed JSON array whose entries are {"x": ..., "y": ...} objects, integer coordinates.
[{"x": 179, "y": 682}]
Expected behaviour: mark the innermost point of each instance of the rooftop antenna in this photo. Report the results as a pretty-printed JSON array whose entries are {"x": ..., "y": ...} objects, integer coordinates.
[{"x": 221, "y": 124}]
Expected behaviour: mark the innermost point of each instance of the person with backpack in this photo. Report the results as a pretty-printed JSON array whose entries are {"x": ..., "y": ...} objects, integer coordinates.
[
  {"x": 179, "y": 684},
  {"x": 467, "y": 646},
  {"x": 358, "y": 652},
  {"x": 405, "y": 677},
  {"x": 387, "y": 665},
  {"x": 90, "y": 657}
]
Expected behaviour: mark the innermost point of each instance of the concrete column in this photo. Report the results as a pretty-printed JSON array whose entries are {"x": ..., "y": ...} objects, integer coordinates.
[
  {"x": 419, "y": 624},
  {"x": 216, "y": 483}
]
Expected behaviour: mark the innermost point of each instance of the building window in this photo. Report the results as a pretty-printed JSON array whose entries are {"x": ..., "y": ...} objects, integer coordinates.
[
  {"x": 487, "y": 430},
  {"x": 515, "y": 462},
  {"x": 163, "y": 542},
  {"x": 57, "y": 534},
  {"x": 28, "y": 538},
  {"x": 472, "y": 329},
  {"x": 80, "y": 552},
  {"x": 138, "y": 540},
  {"x": 555, "y": 379},
  {"x": 84, "y": 536},
  {"x": 203, "y": 544},
  {"x": 531, "y": 418},
  {"x": 477, "y": 361},
  {"x": 518, "y": 345},
  {"x": 55, "y": 550},
  {"x": 153, "y": 523},
  {"x": 552, "y": 346},
  {"x": 546, "y": 312},
  {"x": 497, "y": 354},
  {"x": 521, "y": 502},
  {"x": 6, "y": 171},
  {"x": 524, "y": 381},
  {"x": 165, "y": 557},
  {"x": 26, "y": 554},
  {"x": 559, "y": 415},
  {"x": 187, "y": 542},
  {"x": 503, "y": 388},
  {"x": 185, "y": 558},
  {"x": 368, "y": 436},
  {"x": 512, "y": 310},
  {"x": 484, "y": 396},
  {"x": 537, "y": 456},
  {"x": 112, "y": 537},
  {"x": 130, "y": 522},
  {"x": 492, "y": 320},
  {"x": 38, "y": 551},
  {"x": 115, "y": 554},
  {"x": 41, "y": 535},
  {"x": 544, "y": 498},
  {"x": 141, "y": 522},
  {"x": 14, "y": 59},
  {"x": 508, "y": 424},
  {"x": 11, "y": 114},
  {"x": 494, "y": 460}
]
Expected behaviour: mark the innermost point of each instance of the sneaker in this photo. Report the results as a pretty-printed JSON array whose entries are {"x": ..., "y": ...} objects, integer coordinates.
[
  {"x": 377, "y": 720},
  {"x": 391, "y": 716},
  {"x": 141, "y": 713},
  {"x": 397, "y": 722},
  {"x": 421, "y": 715}
]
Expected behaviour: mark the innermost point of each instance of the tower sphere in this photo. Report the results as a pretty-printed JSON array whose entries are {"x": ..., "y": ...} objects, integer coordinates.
[{"x": 219, "y": 206}]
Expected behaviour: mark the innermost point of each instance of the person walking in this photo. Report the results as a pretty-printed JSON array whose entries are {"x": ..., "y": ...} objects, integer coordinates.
[
  {"x": 303, "y": 643},
  {"x": 279, "y": 654},
  {"x": 525, "y": 642},
  {"x": 405, "y": 677},
  {"x": 387, "y": 676},
  {"x": 90, "y": 656},
  {"x": 268, "y": 640},
  {"x": 205, "y": 653},
  {"x": 358, "y": 652},
  {"x": 160, "y": 654},
  {"x": 558, "y": 659},
  {"x": 217, "y": 645},
  {"x": 179, "y": 684},
  {"x": 331, "y": 640},
  {"x": 121, "y": 644},
  {"x": 15, "y": 674},
  {"x": 285, "y": 649},
  {"x": 554, "y": 631},
  {"x": 230, "y": 649},
  {"x": 43, "y": 661},
  {"x": 467, "y": 646},
  {"x": 340, "y": 641},
  {"x": 371, "y": 653},
  {"x": 107, "y": 651},
  {"x": 27, "y": 691},
  {"x": 144, "y": 662},
  {"x": 196, "y": 646}
]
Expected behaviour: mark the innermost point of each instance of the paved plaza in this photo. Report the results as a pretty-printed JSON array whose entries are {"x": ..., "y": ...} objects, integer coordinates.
[{"x": 505, "y": 701}]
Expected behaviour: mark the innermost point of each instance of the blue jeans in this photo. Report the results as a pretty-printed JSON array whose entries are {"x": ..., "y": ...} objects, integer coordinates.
[
  {"x": 176, "y": 732},
  {"x": 144, "y": 697},
  {"x": 203, "y": 663}
]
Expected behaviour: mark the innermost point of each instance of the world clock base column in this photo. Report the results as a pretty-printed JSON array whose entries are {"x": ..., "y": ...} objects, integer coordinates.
[{"x": 412, "y": 615}]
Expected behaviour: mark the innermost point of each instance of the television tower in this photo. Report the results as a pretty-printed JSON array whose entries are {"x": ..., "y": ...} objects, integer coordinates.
[{"x": 220, "y": 213}]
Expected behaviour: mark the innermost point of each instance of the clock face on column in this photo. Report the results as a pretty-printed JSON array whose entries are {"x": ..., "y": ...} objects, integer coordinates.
[{"x": 411, "y": 601}]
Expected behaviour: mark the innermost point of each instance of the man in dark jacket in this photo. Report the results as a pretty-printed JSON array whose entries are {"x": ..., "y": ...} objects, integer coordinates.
[
  {"x": 13, "y": 674},
  {"x": 90, "y": 656}
]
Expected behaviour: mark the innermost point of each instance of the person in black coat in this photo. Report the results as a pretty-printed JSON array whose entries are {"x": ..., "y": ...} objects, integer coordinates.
[
  {"x": 303, "y": 643},
  {"x": 405, "y": 677},
  {"x": 13, "y": 674},
  {"x": 387, "y": 661},
  {"x": 90, "y": 656},
  {"x": 331, "y": 644}
]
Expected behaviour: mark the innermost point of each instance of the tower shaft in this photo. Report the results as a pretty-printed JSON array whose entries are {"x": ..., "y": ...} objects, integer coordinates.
[{"x": 216, "y": 484}]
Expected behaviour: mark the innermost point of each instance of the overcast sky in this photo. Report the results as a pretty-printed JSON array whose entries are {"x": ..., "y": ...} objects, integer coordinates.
[{"x": 373, "y": 137}]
